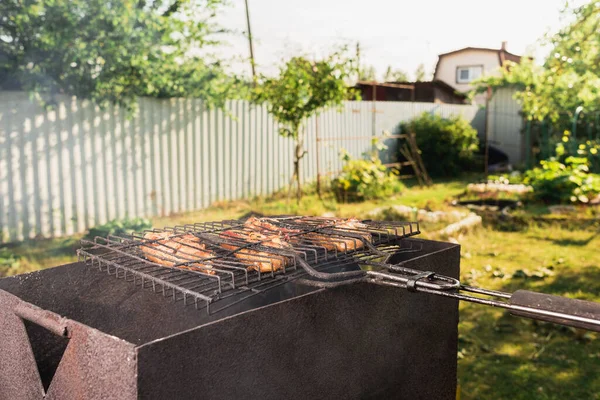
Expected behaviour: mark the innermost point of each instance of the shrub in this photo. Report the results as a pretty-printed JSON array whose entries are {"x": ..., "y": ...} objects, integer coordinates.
[
  {"x": 118, "y": 227},
  {"x": 447, "y": 145},
  {"x": 8, "y": 259},
  {"x": 514, "y": 178},
  {"x": 555, "y": 182},
  {"x": 570, "y": 147},
  {"x": 365, "y": 179}
]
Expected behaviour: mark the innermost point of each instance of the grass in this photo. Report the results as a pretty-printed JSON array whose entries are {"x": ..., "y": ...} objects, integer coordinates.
[
  {"x": 500, "y": 356},
  {"x": 39, "y": 254},
  {"x": 503, "y": 357}
]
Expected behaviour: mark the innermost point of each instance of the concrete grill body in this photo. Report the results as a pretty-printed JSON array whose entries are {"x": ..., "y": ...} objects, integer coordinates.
[{"x": 76, "y": 332}]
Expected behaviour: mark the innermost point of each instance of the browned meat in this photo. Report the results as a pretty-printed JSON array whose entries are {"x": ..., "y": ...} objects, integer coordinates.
[
  {"x": 169, "y": 249},
  {"x": 258, "y": 260},
  {"x": 338, "y": 242},
  {"x": 265, "y": 225},
  {"x": 335, "y": 242}
]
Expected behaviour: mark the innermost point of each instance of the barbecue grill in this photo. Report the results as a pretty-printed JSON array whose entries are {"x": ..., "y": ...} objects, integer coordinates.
[{"x": 320, "y": 317}]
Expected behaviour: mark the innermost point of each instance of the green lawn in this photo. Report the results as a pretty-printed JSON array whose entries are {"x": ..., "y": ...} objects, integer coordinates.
[
  {"x": 500, "y": 356},
  {"x": 504, "y": 357}
]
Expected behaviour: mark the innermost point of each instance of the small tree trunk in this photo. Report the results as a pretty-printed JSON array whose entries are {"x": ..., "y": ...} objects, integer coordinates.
[{"x": 299, "y": 153}]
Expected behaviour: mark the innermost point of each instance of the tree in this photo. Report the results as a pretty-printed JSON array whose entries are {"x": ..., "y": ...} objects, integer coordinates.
[
  {"x": 111, "y": 51},
  {"x": 303, "y": 89},
  {"x": 395, "y": 75},
  {"x": 420, "y": 73},
  {"x": 367, "y": 73},
  {"x": 570, "y": 76}
]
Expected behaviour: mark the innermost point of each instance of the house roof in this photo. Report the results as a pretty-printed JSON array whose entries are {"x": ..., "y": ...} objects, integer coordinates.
[
  {"x": 398, "y": 85},
  {"x": 503, "y": 55},
  {"x": 415, "y": 86},
  {"x": 435, "y": 82},
  {"x": 511, "y": 55}
]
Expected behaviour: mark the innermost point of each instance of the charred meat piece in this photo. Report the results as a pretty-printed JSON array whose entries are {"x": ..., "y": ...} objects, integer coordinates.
[
  {"x": 169, "y": 249},
  {"x": 258, "y": 260}
]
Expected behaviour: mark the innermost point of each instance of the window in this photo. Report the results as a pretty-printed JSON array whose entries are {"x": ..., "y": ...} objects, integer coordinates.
[{"x": 468, "y": 73}]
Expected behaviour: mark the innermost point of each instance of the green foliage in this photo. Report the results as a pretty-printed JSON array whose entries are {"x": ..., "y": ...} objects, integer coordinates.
[
  {"x": 555, "y": 182},
  {"x": 365, "y": 179},
  {"x": 420, "y": 74},
  {"x": 303, "y": 89},
  {"x": 395, "y": 75},
  {"x": 119, "y": 227},
  {"x": 447, "y": 144},
  {"x": 589, "y": 150},
  {"x": 513, "y": 178},
  {"x": 367, "y": 73},
  {"x": 8, "y": 259},
  {"x": 570, "y": 76},
  {"x": 567, "y": 177},
  {"x": 112, "y": 51}
]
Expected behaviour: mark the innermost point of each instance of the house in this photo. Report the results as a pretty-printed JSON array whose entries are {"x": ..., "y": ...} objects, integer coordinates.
[
  {"x": 459, "y": 68},
  {"x": 431, "y": 92},
  {"x": 503, "y": 118}
]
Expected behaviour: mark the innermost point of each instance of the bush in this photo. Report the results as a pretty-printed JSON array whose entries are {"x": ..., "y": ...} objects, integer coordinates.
[
  {"x": 365, "y": 180},
  {"x": 447, "y": 145},
  {"x": 555, "y": 182},
  {"x": 570, "y": 147},
  {"x": 118, "y": 227},
  {"x": 8, "y": 259},
  {"x": 514, "y": 178}
]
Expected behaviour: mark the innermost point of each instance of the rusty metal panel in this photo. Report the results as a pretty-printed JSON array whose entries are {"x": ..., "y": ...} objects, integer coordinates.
[
  {"x": 94, "y": 365},
  {"x": 19, "y": 377}
]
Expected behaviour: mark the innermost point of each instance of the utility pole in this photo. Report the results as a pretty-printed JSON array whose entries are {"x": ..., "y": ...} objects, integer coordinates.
[
  {"x": 358, "y": 60},
  {"x": 252, "y": 64}
]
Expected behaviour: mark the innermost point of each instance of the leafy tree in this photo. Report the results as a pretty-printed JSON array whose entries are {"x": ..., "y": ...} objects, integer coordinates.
[
  {"x": 395, "y": 75},
  {"x": 111, "y": 50},
  {"x": 367, "y": 73},
  {"x": 420, "y": 74},
  {"x": 303, "y": 89},
  {"x": 570, "y": 76}
]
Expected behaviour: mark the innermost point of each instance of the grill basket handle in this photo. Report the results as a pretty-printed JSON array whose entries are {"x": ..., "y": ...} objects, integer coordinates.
[{"x": 586, "y": 310}]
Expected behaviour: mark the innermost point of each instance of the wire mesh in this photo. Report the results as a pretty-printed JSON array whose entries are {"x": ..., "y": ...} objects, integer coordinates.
[{"x": 204, "y": 262}]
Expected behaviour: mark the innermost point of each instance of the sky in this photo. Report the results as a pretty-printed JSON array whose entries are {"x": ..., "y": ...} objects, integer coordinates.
[{"x": 397, "y": 33}]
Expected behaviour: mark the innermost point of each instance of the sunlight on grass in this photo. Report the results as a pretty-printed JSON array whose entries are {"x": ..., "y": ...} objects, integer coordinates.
[{"x": 509, "y": 349}]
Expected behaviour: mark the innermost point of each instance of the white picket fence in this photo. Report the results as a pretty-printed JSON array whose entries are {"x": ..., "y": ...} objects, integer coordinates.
[{"x": 65, "y": 170}]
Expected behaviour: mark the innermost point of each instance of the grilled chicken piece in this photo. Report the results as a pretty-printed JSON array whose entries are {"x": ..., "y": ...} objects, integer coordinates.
[
  {"x": 259, "y": 260},
  {"x": 338, "y": 242},
  {"x": 168, "y": 249},
  {"x": 335, "y": 242},
  {"x": 266, "y": 225}
]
